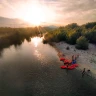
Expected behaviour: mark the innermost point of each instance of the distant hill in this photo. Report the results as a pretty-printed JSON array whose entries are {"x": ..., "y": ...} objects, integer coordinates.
[
  {"x": 8, "y": 22},
  {"x": 52, "y": 26}
]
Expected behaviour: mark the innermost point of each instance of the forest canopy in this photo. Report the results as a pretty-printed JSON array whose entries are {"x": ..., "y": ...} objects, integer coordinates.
[{"x": 71, "y": 32}]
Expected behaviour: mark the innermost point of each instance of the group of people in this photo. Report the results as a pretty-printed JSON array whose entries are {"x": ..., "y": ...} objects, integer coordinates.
[
  {"x": 74, "y": 58},
  {"x": 85, "y": 72}
]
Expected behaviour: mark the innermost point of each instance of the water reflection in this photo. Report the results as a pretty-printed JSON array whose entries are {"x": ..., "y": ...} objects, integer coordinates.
[
  {"x": 39, "y": 56},
  {"x": 36, "y": 41},
  {"x": 18, "y": 42}
]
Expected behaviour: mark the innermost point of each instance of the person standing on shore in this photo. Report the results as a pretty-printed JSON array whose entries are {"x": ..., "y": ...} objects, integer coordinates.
[
  {"x": 83, "y": 72},
  {"x": 72, "y": 57},
  {"x": 89, "y": 72},
  {"x": 77, "y": 56}
]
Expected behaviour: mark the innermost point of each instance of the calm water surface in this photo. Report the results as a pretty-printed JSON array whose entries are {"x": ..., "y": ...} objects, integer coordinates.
[{"x": 33, "y": 69}]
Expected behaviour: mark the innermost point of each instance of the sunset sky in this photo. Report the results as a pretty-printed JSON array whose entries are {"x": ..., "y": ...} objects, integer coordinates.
[{"x": 50, "y": 11}]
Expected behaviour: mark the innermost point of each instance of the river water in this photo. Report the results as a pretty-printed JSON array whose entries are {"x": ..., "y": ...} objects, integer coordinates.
[{"x": 33, "y": 69}]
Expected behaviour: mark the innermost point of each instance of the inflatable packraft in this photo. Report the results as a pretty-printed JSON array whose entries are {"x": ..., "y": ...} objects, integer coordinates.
[
  {"x": 67, "y": 61},
  {"x": 76, "y": 65},
  {"x": 70, "y": 67},
  {"x": 62, "y": 59},
  {"x": 63, "y": 67}
]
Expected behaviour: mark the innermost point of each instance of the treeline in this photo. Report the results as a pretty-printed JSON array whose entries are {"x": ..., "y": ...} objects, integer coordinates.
[
  {"x": 73, "y": 34},
  {"x": 10, "y": 36}
]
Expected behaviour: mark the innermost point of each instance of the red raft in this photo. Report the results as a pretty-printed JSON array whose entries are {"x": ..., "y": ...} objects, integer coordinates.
[
  {"x": 76, "y": 65},
  {"x": 67, "y": 61},
  {"x": 63, "y": 67},
  {"x": 62, "y": 59},
  {"x": 70, "y": 67}
]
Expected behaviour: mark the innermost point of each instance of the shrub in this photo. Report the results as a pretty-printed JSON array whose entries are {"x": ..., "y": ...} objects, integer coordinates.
[{"x": 82, "y": 43}]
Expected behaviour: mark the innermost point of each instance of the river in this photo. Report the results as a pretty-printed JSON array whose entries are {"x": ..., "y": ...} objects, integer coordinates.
[{"x": 33, "y": 69}]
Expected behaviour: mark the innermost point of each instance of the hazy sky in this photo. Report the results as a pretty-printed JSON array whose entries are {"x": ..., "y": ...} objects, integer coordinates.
[{"x": 55, "y": 11}]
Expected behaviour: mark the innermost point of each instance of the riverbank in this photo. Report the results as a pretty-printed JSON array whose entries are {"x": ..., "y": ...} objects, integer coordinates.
[{"x": 87, "y": 58}]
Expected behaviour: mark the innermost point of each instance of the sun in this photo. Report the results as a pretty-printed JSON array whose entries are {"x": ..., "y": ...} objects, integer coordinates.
[{"x": 34, "y": 15}]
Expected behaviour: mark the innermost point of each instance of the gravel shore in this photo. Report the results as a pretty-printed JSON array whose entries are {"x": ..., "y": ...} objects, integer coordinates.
[{"x": 87, "y": 58}]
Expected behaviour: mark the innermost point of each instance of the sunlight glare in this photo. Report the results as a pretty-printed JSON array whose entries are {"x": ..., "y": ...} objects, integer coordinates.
[
  {"x": 36, "y": 41},
  {"x": 36, "y": 13}
]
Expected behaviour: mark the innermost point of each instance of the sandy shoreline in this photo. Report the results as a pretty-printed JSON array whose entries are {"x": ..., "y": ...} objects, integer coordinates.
[{"x": 87, "y": 58}]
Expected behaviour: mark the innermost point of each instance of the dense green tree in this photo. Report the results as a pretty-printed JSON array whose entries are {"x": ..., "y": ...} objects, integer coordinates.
[
  {"x": 61, "y": 35},
  {"x": 72, "y": 26},
  {"x": 89, "y": 25},
  {"x": 71, "y": 32},
  {"x": 82, "y": 43}
]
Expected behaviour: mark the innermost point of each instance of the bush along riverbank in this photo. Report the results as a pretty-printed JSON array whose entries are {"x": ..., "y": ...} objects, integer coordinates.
[{"x": 73, "y": 34}]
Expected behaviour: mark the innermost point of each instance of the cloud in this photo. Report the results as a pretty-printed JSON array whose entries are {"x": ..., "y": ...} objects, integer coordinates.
[
  {"x": 7, "y": 4},
  {"x": 1, "y": 6},
  {"x": 66, "y": 11},
  {"x": 79, "y": 11}
]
